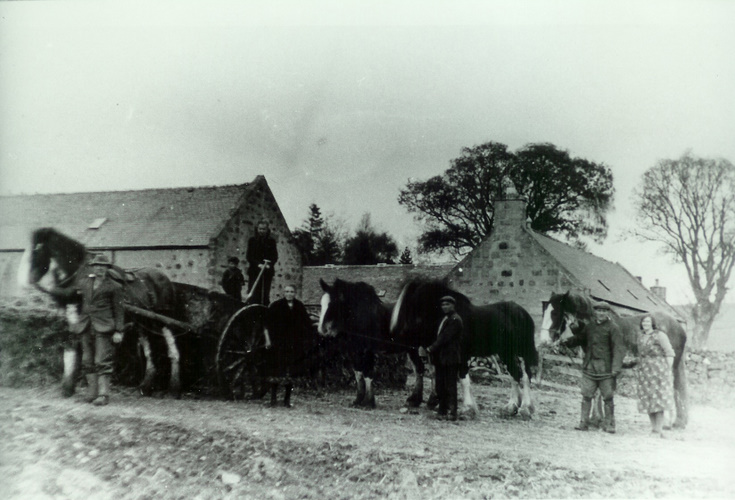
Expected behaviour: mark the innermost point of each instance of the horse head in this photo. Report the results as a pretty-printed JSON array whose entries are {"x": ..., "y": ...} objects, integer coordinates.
[
  {"x": 565, "y": 314},
  {"x": 348, "y": 307},
  {"x": 52, "y": 251}
]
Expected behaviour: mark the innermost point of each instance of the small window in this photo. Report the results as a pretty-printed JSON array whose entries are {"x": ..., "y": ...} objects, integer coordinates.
[
  {"x": 634, "y": 295},
  {"x": 503, "y": 245},
  {"x": 97, "y": 223},
  {"x": 506, "y": 273},
  {"x": 604, "y": 285}
]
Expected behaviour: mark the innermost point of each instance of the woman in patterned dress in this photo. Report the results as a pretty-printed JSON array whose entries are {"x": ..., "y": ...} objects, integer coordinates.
[{"x": 654, "y": 375}]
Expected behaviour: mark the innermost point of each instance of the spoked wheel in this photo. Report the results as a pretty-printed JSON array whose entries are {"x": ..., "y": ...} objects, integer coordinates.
[{"x": 241, "y": 350}]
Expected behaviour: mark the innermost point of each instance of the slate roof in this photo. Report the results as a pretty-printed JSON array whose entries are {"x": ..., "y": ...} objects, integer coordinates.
[
  {"x": 606, "y": 280},
  {"x": 388, "y": 279},
  {"x": 178, "y": 217}
]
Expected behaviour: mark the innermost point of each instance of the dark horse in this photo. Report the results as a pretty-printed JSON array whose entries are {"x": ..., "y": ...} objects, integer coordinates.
[
  {"x": 356, "y": 310},
  {"x": 503, "y": 329},
  {"x": 575, "y": 312},
  {"x": 150, "y": 289}
]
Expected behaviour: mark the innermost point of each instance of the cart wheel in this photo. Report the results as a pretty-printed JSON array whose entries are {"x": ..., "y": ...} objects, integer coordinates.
[{"x": 241, "y": 348}]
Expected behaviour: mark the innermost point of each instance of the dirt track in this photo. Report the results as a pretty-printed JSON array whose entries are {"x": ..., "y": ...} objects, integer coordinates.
[{"x": 156, "y": 448}]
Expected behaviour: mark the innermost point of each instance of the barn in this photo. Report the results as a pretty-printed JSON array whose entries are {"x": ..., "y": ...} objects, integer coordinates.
[{"x": 187, "y": 232}]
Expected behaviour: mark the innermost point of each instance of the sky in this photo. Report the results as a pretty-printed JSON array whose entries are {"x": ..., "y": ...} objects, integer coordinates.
[{"x": 341, "y": 103}]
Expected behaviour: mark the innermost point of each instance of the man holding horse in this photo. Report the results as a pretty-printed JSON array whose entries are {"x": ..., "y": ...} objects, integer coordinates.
[
  {"x": 604, "y": 350},
  {"x": 101, "y": 320},
  {"x": 445, "y": 354}
]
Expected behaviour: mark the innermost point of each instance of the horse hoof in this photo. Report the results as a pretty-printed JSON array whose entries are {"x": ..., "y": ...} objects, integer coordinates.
[
  {"x": 413, "y": 401},
  {"x": 525, "y": 413},
  {"x": 509, "y": 410},
  {"x": 469, "y": 413},
  {"x": 67, "y": 390}
]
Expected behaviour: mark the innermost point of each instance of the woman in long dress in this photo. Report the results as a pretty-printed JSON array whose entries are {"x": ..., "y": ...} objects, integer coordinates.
[{"x": 654, "y": 374}]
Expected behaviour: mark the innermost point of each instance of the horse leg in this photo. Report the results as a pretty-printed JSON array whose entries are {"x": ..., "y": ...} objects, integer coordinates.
[
  {"x": 681, "y": 395},
  {"x": 417, "y": 394},
  {"x": 369, "y": 373},
  {"x": 514, "y": 400},
  {"x": 527, "y": 409},
  {"x": 360, "y": 389},
  {"x": 596, "y": 416},
  {"x": 68, "y": 381},
  {"x": 433, "y": 401},
  {"x": 145, "y": 386},
  {"x": 369, "y": 401},
  {"x": 469, "y": 406},
  {"x": 174, "y": 356}
]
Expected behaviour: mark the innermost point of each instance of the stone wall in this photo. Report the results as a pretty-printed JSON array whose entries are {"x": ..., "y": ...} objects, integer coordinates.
[
  {"x": 191, "y": 266},
  {"x": 259, "y": 204}
]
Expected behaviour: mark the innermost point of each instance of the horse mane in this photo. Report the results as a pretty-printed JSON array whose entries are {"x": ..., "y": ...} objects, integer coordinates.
[
  {"x": 585, "y": 305},
  {"x": 359, "y": 290},
  {"x": 438, "y": 289}
]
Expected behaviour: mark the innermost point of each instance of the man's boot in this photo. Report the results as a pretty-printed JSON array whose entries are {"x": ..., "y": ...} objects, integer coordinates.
[
  {"x": 584, "y": 421},
  {"x": 274, "y": 395},
  {"x": 91, "y": 387},
  {"x": 287, "y": 397},
  {"x": 609, "y": 425},
  {"x": 104, "y": 391}
]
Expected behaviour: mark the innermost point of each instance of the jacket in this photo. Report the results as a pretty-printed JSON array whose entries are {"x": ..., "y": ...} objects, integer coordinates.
[
  {"x": 446, "y": 350},
  {"x": 102, "y": 309},
  {"x": 261, "y": 248},
  {"x": 604, "y": 349}
]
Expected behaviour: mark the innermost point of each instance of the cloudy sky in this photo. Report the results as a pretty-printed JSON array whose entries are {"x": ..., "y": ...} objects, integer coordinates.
[{"x": 340, "y": 103}]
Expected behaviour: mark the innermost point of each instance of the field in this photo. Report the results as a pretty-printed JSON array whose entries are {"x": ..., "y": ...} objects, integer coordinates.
[{"x": 138, "y": 448}]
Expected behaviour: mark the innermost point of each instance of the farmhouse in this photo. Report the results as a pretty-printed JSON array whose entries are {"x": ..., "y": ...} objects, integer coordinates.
[
  {"x": 516, "y": 263},
  {"x": 187, "y": 232}
]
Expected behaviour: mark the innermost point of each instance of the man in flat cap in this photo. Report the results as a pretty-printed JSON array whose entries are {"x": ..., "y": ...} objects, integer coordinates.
[
  {"x": 233, "y": 279},
  {"x": 445, "y": 354},
  {"x": 101, "y": 322}
]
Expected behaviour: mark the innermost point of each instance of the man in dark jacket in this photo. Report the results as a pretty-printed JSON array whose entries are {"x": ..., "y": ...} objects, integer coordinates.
[
  {"x": 100, "y": 322},
  {"x": 445, "y": 354},
  {"x": 604, "y": 350},
  {"x": 288, "y": 324},
  {"x": 262, "y": 254},
  {"x": 233, "y": 279}
]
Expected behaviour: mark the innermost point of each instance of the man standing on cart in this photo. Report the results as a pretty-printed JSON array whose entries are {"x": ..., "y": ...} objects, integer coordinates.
[{"x": 262, "y": 255}]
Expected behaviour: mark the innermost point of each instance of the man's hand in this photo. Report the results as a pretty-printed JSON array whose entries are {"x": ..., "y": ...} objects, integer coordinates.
[{"x": 117, "y": 337}]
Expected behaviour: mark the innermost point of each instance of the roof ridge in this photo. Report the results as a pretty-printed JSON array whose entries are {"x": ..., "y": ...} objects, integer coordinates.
[{"x": 180, "y": 188}]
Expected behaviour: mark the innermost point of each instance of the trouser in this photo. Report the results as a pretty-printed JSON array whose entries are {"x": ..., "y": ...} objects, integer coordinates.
[
  {"x": 588, "y": 387},
  {"x": 97, "y": 352},
  {"x": 446, "y": 388}
]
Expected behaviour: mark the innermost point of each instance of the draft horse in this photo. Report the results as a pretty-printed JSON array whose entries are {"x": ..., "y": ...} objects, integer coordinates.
[
  {"x": 502, "y": 329},
  {"x": 572, "y": 313},
  {"x": 356, "y": 310},
  {"x": 65, "y": 260}
]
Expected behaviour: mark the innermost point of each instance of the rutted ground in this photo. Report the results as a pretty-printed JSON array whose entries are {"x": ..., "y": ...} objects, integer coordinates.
[{"x": 159, "y": 448}]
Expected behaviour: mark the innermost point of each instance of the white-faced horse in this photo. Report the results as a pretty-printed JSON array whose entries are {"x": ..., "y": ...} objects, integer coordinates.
[{"x": 66, "y": 260}]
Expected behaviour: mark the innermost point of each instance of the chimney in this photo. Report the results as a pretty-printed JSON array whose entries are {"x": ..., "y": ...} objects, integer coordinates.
[
  {"x": 659, "y": 291},
  {"x": 511, "y": 209}
]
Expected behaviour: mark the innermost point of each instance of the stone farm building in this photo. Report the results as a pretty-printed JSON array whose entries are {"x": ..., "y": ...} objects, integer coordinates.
[
  {"x": 187, "y": 232},
  {"x": 512, "y": 263}
]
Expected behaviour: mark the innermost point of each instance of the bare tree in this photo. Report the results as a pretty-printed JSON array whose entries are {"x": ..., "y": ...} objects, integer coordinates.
[{"x": 688, "y": 205}]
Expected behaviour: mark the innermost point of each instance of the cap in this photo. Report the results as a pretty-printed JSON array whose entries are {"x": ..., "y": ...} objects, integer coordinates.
[
  {"x": 448, "y": 298},
  {"x": 234, "y": 260}
]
